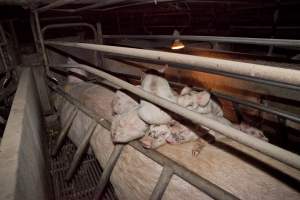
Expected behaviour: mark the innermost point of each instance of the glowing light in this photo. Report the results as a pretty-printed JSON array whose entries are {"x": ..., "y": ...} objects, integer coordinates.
[{"x": 177, "y": 44}]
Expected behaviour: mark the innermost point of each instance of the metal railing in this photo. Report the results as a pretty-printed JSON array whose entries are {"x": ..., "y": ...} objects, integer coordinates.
[{"x": 169, "y": 166}]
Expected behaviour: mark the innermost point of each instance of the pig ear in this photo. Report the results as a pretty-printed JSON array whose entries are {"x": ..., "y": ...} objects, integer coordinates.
[
  {"x": 163, "y": 69},
  {"x": 186, "y": 90},
  {"x": 203, "y": 98}
]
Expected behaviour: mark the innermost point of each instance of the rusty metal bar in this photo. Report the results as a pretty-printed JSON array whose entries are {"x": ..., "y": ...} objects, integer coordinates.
[
  {"x": 194, "y": 179},
  {"x": 64, "y": 131},
  {"x": 41, "y": 40},
  {"x": 265, "y": 72},
  {"x": 236, "y": 40},
  {"x": 162, "y": 183},
  {"x": 107, "y": 171},
  {"x": 81, "y": 150}
]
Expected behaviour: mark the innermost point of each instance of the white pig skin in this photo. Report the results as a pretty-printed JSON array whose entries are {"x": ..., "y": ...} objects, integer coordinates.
[{"x": 127, "y": 127}]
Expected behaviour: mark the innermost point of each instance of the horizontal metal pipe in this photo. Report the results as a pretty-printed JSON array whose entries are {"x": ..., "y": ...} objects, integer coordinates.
[
  {"x": 245, "y": 103},
  {"x": 259, "y": 145},
  {"x": 66, "y": 25},
  {"x": 194, "y": 179},
  {"x": 283, "y": 75},
  {"x": 54, "y": 4},
  {"x": 260, "y": 107},
  {"x": 212, "y": 71},
  {"x": 239, "y": 40},
  {"x": 60, "y": 18}
]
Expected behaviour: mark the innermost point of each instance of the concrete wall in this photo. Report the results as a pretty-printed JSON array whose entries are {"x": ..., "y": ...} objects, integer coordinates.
[{"x": 23, "y": 170}]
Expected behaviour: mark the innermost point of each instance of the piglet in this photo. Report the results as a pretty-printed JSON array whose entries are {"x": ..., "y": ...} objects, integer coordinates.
[
  {"x": 180, "y": 134},
  {"x": 155, "y": 136},
  {"x": 246, "y": 128},
  {"x": 200, "y": 102}
]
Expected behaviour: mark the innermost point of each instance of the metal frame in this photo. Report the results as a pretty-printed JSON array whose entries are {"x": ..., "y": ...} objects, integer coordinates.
[
  {"x": 95, "y": 32},
  {"x": 204, "y": 185},
  {"x": 275, "y": 76},
  {"x": 236, "y": 40},
  {"x": 273, "y": 151},
  {"x": 236, "y": 100}
]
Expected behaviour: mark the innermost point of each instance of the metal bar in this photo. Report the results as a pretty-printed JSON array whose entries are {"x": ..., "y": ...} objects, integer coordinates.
[
  {"x": 282, "y": 75},
  {"x": 261, "y": 107},
  {"x": 259, "y": 145},
  {"x": 212, "y": 71},
  {"x": 107, "y": 171},
  {"x": 166, "y": 161},
  {"x": 2, "y": 33},
  {"x": 41, "y": 39},
  {"x": 194, "y": 179},
  {"x": 204, "y": 185},
  {"x": 33, "y": 30},
  {"x": 65, "y": 25},
  {"x": 3, "y": 59},
  {"x": 162, "y": 183},
  {"x": 237, "y": 40},
  {"x": 245, "y": 103},
  {"x": 16, "y": 43},
  {"x": 99, "y": 41},
  {"x": 81, "y": 150},
  {"x": 237, "y": 76},
  {"x": 64, "y": 131},
  {"x": 54, "y": 4},
  {"x": 60, "y": 18}
]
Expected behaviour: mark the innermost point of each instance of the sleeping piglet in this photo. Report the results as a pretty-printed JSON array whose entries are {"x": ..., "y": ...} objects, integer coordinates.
[{"x": 200, "y": 102}]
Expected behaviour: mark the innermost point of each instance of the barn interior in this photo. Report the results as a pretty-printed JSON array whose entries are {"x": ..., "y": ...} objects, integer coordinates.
[{"x": 245, "y": 54}]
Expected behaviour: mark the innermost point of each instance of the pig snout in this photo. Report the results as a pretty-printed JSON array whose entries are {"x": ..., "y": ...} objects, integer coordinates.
[{"x": 147, "y": 142}]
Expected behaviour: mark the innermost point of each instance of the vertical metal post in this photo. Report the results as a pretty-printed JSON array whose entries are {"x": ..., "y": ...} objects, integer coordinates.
[
  {"x": 3, "y": 60},
  {"x": 16, "y": 42},
  {"x": 100, "y": 41},
  {"x": 107, "y": 171},
  {"x": 64, "y": 131},
  {"x": 3, "y": 35},
  {"x": 282, "y": 131},
  {"x": 41, "y": 40},
  {"x": 162, "y": 183},
  {"x": 274, "y": 26},
  {"x": 33, "y": 29},
  {"x": 81, "y": 150}
]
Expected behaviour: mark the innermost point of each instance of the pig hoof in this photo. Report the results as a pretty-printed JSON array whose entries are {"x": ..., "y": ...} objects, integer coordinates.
[{"x": 197, "y": 148}]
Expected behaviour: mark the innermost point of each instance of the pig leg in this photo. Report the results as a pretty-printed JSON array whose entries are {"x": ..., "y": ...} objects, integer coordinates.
[{"x": 197, "y": 147}]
